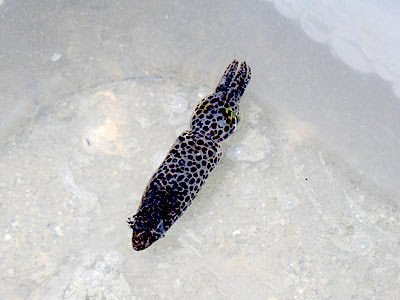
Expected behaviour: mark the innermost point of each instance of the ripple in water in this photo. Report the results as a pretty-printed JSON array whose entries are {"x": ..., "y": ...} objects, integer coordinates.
[
  {"x": 238, "y": 152},
  {"x": 361, "y": 245},
  {"x": 288, "y": 201}
]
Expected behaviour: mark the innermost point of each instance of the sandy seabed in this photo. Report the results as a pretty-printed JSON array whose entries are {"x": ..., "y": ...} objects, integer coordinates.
[{"x": 304, "y": 204}]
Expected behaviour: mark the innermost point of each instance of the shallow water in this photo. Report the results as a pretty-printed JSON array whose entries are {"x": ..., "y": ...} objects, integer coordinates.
[
  {"x": 282, "y": 218},
  {"x": 290, "y": 213}
]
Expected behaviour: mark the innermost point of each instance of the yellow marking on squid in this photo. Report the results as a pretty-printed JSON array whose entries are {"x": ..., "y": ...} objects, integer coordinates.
[
  {"x": 232, "y": 114},
  {"x": 206, "y": 105}
]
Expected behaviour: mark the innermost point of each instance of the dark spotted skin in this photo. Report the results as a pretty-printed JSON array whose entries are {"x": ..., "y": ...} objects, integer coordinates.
[
  {"x": 195, "y": 153},
  {"x": 217, "y": 115}
]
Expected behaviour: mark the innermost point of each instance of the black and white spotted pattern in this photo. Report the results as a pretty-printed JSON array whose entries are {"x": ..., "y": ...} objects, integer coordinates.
[
  {"x": 218, "y": 114},
  {"x": 195, "y": 153},
  {"x": 173, "y": 186}
]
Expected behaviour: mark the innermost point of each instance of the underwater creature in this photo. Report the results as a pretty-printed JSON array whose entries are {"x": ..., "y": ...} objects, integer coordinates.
[{"x": 195, "y": 153}]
